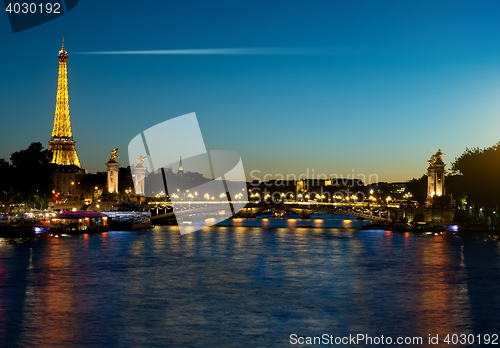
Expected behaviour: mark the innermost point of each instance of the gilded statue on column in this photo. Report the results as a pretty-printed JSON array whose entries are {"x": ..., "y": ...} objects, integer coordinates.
[
  {"x": 432, "y": 160},
  {"x": 140, "y": 160},
  {"x": 439, "y": 155},
  {"x": 113, "y": 154}
]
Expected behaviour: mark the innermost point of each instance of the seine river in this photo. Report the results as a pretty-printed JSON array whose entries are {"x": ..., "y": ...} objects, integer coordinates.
[{"x": 248, "y": 283}]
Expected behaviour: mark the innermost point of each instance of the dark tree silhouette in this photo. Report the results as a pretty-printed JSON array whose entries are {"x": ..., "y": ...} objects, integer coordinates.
[
  {"x": 27, "y": 179},
  {"x": 480, "y": 171},
  {"x": 418, "y": 188}
]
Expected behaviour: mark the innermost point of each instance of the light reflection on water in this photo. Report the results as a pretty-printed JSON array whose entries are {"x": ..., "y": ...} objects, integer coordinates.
[
  {"x": 244, "y": 285},
  {"x": 316, "y": 220}
]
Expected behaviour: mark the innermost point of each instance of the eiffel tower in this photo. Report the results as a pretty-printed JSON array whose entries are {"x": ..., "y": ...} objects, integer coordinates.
[{"x": 62, "y": 144}]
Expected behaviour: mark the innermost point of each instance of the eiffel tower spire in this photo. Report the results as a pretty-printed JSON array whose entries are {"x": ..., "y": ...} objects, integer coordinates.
[{"x": 62, "y": 144}]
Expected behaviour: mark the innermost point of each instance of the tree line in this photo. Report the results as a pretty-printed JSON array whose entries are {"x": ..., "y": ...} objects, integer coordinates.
[
  {"x": 26, "y": 179},
  {"x": 472, "y": 179}
]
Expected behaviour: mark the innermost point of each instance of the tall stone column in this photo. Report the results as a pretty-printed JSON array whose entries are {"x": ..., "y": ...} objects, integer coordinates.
[
  {"x": 439, "y": 179},
  {"x": 113, "y": 172},
  {"x": 139, "y": 174},
  {"x": 430, "y": 182},
  {"x": 435, "y": 177}
]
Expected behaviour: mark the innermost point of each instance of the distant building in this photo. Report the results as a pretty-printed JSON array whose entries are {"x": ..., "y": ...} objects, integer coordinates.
[
  {"x": 342, "y": 182},
  {"x": 394, "y": 188},
  {"x": 125, "y": 179},
  {"x": 302, "y": 185},
  {"x": 69, "y": 180}
]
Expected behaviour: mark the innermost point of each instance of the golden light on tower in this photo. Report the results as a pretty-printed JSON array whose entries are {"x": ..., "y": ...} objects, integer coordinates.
[{"x": 62, "y": 144}]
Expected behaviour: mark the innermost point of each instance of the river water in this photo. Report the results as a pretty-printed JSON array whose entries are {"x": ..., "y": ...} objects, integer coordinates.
[{"x": 247, "y": 283}]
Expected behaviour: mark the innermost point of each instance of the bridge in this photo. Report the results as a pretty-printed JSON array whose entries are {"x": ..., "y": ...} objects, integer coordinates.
[
  {"x": 305, "y": 209},
  {"x": 163, "y": 211}
]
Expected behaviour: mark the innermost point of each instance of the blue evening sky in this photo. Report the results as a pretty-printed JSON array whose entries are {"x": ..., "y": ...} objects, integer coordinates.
[{"x": 365, "y": 87}]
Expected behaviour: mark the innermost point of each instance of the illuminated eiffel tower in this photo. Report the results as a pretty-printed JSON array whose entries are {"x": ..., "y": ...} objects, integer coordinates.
[{"x": 62, "y": 144}]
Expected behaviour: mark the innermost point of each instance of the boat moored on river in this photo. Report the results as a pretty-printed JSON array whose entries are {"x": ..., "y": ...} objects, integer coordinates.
[
  {"x": 22, "y": 226},
  {"x": 79, "y": 222},
  {"x": 128, "y": 217},
  {"x": 128, "y": 220}
]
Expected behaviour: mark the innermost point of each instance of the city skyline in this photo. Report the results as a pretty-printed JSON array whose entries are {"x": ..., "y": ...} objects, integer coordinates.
[{"x": 374, "y": 89}]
